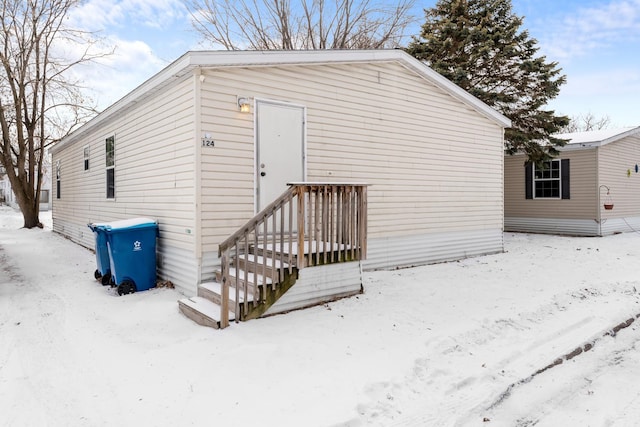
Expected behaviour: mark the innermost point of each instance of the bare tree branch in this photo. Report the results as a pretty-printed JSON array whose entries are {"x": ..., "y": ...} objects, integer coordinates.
[
  {"x": 586, "y": 122},
  {"x": 309, "y": 24},
  {"x": 39, "y": 104}
]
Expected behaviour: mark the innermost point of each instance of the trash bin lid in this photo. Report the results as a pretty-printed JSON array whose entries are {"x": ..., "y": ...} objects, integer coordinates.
[
  {"x": 128, "y": 224},
  {"x": 97, "y": 225}
]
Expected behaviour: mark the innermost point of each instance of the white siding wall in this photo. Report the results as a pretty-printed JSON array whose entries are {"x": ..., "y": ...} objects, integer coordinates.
[
  {"x": 409, "y": 251},
  {"x": 154, "y": 177},
  {"x": 435, "y": 165},
  {"x": 571, "y": 227}
]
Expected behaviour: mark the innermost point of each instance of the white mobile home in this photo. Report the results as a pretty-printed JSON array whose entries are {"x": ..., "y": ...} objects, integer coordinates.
[{"x": 215, "y": 137}]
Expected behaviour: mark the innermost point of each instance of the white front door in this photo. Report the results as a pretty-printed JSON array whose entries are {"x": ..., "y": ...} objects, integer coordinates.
[{"x": 280, "y": 149}]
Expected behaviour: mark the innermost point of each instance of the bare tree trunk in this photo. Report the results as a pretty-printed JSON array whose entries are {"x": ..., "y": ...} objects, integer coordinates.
[
  {"x": 33, "y": 90},
  {"x": 30, "y": 208}
]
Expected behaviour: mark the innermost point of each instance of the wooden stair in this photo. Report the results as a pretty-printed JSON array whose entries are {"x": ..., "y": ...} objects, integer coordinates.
[
  {"x": 247, "y": 276},
  {"x": 310, "y": 225},
  {"x": 202, "y": 311}
]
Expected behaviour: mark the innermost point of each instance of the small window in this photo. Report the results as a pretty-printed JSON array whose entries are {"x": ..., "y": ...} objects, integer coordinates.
[
  {"x": 44, "y": 196},
  {"x": 111, "y": 187},
  {"x": 546, "y": 180},
  {"x": 58, "y": 179},
  {"x": 110, "y": 145},
  {"x": 110, "y": 148},
  {"x": 85, "y": 156}
]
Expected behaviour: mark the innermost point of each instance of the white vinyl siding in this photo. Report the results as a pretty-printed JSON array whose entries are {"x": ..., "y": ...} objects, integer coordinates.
[
  {"x": 155, "y": 176},
  {"x": 435, "y": 164}
]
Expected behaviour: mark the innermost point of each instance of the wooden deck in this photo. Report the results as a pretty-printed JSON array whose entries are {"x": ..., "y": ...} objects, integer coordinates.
[{"x": 264, "y": 258}]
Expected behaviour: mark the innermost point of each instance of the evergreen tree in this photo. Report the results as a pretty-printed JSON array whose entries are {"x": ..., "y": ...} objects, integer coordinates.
[{"x": 478, "y": 45}]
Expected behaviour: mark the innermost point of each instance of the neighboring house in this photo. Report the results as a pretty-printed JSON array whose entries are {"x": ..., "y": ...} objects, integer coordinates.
[
  {"x": 7, "y": 195},
  {"x": 3, "y": 185},
  {"x": 568, "y": 194},
  {"x": 215, "y": 137}
]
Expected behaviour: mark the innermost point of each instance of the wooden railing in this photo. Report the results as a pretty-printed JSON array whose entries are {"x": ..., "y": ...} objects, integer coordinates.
[{"x": 310, "y": 224}]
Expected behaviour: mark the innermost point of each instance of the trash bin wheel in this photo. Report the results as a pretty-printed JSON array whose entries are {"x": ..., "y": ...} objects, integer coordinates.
[
  {"x": 106, "y": 279},
  {"x": 126, "y": 287},
  {"x": 97, "y": 274}
]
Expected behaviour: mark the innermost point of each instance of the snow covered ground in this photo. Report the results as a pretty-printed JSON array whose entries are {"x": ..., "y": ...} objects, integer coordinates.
[{"x": 454, "y": 344}]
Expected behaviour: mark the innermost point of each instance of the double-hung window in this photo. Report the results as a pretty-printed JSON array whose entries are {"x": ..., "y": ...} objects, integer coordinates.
[
  {"x": 547, "y": 180},
  {"x": 110, "y": 151}
]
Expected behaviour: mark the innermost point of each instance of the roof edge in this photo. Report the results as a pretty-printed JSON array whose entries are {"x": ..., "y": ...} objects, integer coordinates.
[
  {"x": 459, "y": 93},
  {"x": 195, "y": 59},
  {"x": 176, "y": 69},
  {"x": 620, "y": 136},
  {"x": 584, "y": 145}
]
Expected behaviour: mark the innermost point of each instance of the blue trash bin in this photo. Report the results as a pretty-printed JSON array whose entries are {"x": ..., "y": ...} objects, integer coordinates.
[
  {"x": 132, "y": 253},
  {"x": 103, "y": 271}
]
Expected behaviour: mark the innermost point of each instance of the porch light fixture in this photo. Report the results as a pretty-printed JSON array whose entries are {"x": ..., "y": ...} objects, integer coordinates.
[{"x": 244, "y": 104}]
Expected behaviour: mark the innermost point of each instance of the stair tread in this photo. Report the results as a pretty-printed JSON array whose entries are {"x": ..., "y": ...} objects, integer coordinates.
[
  {"x": 206, "y": 307},
  {"x": 250, "y": 276},
  {"x": 212, "y": 286},
  {"x": 309, "y": 247},
  {"x": 216, "y": 287},
  {"x": 268, "y": 261}
]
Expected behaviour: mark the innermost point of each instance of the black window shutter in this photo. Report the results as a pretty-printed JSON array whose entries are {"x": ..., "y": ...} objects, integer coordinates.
[
  {"x": 564, "y": 171},
  {"x": 528, "y": 180}
]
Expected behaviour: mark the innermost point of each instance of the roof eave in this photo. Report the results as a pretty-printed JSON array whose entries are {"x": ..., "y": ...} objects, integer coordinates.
[
  {"x": 579, "y": 146},
  {"x": 459, "y": 93},
  {"x": 594, "y": 142},
  {"x": 619, "y": 136},
  {"x": 194, "y": 59},
  {"x": 175, "y": 70}
]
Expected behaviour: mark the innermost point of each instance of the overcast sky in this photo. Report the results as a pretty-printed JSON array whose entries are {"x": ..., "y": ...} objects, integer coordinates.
[{"x": 596, "y": 42}]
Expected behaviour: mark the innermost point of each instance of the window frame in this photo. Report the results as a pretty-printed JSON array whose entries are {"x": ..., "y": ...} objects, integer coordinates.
[
  {"x": 110, "y": 165},
  {"x": 565, "y": 181},
  {"x": 545, "y": 179},
  {"x": 58, "y": 173},
  {"x": 86, "y": 155}
]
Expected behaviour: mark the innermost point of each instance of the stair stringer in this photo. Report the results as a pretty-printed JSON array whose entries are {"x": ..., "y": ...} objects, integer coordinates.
[{"x": 269, "y": 295}]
